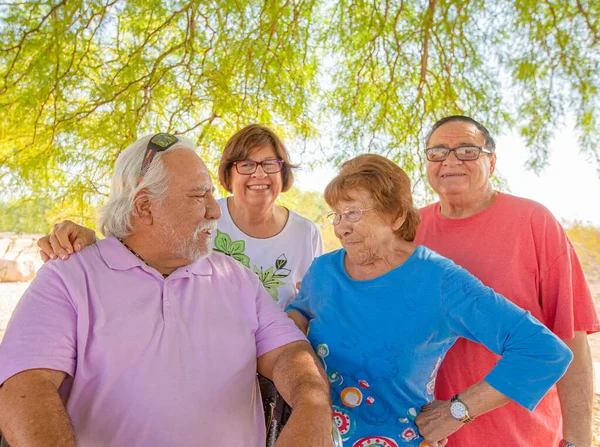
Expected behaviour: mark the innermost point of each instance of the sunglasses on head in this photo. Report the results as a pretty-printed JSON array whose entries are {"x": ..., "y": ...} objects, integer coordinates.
[{"x": 158, "y": 143}]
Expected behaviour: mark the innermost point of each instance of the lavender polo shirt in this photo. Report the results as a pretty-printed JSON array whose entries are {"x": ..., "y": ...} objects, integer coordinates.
[{"x": 150, "y": 362}]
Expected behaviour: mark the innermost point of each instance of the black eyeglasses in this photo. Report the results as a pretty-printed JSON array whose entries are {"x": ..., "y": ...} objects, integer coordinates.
[
  {"x": 462, "y": 153},
  {"x": 249, "y": 167},
  {"x": 158, "y": 143},
  {"x": 351, "y": 214}
]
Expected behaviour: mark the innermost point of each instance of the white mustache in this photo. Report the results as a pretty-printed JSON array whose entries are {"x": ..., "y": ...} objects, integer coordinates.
[{"x": 207, "y": 226}]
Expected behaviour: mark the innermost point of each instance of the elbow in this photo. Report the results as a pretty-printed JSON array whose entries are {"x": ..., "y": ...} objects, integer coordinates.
[{"x": 564, "y": 357}]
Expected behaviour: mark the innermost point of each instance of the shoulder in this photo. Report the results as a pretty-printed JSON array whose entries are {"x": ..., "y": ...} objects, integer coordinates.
[
  {"x": 427, "y": 210},
  {"x": 427, "y": 214},
  {"x": 301, "y": 223},
  {"x": 433, "y": 261},
  {"x": 520, "y": 205},
  {"x": 327, "y": 262},
  {"x": 93, "y": 257}
]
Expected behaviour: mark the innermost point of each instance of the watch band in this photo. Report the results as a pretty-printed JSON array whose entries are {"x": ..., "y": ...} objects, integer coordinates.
[
  {"x": 465, "y": 419},
  {"x": 565, "y": 443}
]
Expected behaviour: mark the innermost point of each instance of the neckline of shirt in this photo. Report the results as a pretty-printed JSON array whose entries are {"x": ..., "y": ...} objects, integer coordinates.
[
  {"x": 437, "y": 211},
  {"x": 225, "y": 212},
  {"x": 414, "y": 255}
]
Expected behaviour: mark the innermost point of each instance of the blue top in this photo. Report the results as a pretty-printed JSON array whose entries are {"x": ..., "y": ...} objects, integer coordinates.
[{"x": 381, "y": 341}]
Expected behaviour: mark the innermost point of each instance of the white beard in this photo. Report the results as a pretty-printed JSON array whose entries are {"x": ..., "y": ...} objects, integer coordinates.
[{"x": 191, "y": 248}]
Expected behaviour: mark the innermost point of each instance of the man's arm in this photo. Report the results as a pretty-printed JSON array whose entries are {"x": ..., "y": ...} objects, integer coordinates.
[
  {"x": 576, "y": 393},
  {"x": 31, "y": 411},
  {"x": 301, "y": 381}
]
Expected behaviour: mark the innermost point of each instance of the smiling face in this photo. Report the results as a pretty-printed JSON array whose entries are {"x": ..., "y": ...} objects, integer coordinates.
[
  {"x": 369, "y": 238},
  {"x": 258, "y": 189},
  {"x": 189, "y": 212},
  {"x": 455, "y": 178}
]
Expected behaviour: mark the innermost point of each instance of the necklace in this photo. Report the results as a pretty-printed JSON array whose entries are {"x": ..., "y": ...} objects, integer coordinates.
[{"x": 139, "y": 257}]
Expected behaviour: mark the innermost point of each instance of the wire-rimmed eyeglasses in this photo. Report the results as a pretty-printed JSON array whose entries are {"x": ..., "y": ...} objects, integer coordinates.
[{"x": 351, "y": 214}]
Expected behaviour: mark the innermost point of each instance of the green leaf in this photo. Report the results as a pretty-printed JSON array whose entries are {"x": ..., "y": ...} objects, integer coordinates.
[
  {"x": 223, "y": 243},
  {"x": 280, "y": 262},
  {"x": 238, "y": 247},
  {"x": 242, "y": 258}
]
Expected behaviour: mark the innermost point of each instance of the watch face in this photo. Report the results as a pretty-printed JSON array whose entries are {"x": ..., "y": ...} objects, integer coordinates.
[{"x": 458, "y": 410}]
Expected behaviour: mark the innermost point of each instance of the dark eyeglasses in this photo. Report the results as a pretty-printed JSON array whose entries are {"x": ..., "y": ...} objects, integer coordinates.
[
  {"x": 351, "y": 214},
  {"x": 158, "y": 143},
  {"x": 249, "y": 167},
  {"x": 463, "y": 153}
]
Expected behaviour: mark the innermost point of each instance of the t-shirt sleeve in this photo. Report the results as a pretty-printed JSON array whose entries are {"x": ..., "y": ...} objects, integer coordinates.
[
  {"x": 533, "y": 358},
  {"x": 564, "y": 294},
  {"x": 275, "y": 328},
  {"x": 566, "y": 299},
  {"x": 42, "y": 332}
]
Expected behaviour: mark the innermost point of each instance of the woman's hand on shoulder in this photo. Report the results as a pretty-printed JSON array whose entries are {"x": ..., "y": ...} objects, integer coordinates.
[{"x": 65, "y": 239}]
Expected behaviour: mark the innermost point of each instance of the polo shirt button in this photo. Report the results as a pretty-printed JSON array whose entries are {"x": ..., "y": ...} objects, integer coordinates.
[{"x": 168, "y": 303}]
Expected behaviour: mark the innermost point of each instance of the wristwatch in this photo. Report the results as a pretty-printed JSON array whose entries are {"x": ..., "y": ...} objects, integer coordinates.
[
  {"x": 459, "y": 410},
  {"x": 565, "y": 443}
]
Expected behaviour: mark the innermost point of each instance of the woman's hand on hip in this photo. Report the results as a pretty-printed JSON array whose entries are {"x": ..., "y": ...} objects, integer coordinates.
[{"x": 436, "y": 423}]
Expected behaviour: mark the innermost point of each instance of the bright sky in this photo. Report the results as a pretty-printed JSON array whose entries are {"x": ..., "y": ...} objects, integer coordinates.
[{"x": 569, "y": 186}]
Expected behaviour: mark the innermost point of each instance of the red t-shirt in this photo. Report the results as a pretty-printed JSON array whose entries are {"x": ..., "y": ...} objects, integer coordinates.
[{"x": 520, "y": 250}]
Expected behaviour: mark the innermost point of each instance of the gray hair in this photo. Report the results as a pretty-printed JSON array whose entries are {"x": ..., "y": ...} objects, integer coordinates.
[
  {"x": 115, "y": 216},
  {"x": 489, "y": 140}
]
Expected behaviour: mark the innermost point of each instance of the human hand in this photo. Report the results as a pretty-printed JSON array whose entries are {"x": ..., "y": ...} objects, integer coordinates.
[
  {"x": 436, "y": 423},
  {"x": 66, "y": 238},
  {"x": 308, "y": 426}
]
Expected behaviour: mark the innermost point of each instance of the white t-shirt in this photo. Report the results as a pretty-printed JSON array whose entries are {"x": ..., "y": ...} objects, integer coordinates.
[{"x": 279, "y": 261}]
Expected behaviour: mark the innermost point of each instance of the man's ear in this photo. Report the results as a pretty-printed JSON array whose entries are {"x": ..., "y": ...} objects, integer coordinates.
[
  {"x": 492, "y": 163},
  {"x": 398, "y": 222},
  {"x": 142, "y": 207}
]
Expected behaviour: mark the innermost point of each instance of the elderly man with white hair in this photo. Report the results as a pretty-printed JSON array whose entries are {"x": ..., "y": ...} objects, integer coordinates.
[{"x": 146, "y": 338}]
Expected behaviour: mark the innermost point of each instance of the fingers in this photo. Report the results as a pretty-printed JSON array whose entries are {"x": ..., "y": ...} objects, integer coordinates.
[
  {"x": 60, "y": 238},
  {"x": 443, "y": 442},
  {"x": 298, "y": 284},
  {"x": 46, "y": 250},
  {"x": 83, "y": 237}
]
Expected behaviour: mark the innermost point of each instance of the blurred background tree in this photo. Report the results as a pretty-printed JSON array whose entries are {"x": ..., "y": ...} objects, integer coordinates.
[{"x": 80, "y": 80}]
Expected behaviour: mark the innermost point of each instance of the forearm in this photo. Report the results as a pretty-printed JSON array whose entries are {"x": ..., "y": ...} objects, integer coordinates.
[
  {"x": 32, "y": 414},
  {"x": 576, "y": 393},
  {"x": 299, "y": 377},
  {"x": 481, "y": 398}
]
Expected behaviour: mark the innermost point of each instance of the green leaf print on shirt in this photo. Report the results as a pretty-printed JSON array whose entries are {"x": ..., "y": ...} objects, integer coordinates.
[
  {"x": 235, "y": 249},
  {"x": 270, "y": 278}
]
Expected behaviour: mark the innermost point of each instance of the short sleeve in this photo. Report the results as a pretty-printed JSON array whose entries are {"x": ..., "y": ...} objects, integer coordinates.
[
  {"x": 275, "y": 328},
  {"x": 533, "y": 359},
  {"x": 566, "y": 299},
  {"x": 42, "y": 332},
  {"x": 564, "y": 295}
]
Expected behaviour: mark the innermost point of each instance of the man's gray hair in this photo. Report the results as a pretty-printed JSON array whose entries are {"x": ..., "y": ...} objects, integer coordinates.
[
  {"x": 489, "y": 140},
  {"x": 115, "y": 216}
]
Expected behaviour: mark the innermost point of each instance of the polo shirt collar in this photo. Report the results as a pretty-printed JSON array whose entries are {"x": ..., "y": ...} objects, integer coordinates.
[{"x": 118, "y": 257}]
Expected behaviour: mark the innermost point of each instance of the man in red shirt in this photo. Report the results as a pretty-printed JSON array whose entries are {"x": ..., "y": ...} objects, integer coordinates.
[{"x": 519, "y": 249}]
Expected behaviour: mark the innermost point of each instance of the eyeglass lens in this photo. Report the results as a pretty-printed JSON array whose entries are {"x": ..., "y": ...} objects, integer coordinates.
[
  {"x": 462, "y": 153},
  {"x": 250, "y": 166}
]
